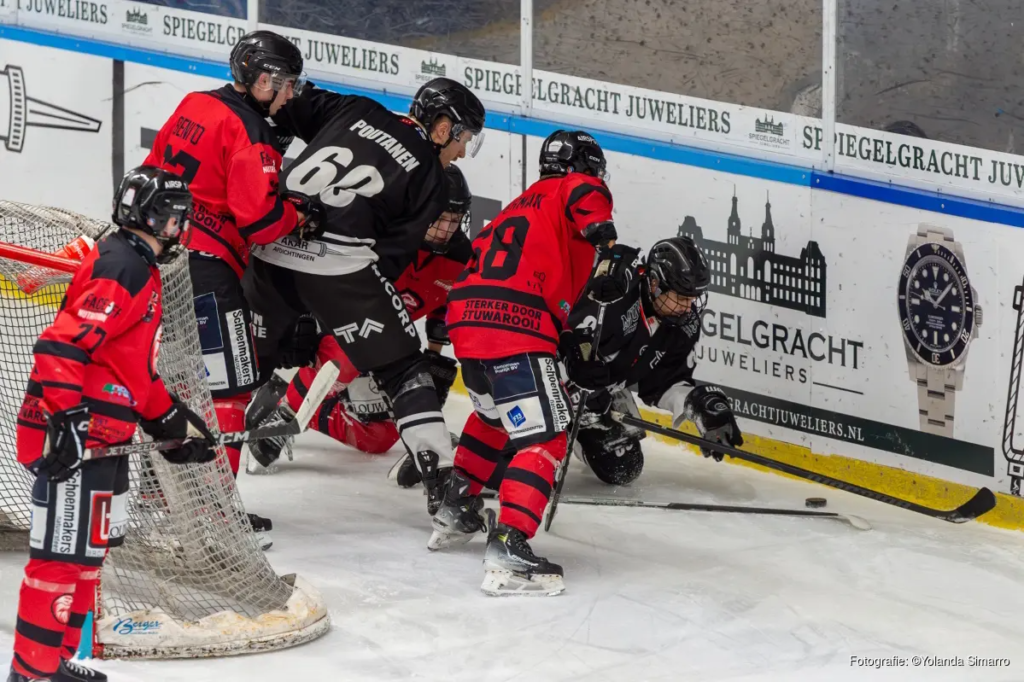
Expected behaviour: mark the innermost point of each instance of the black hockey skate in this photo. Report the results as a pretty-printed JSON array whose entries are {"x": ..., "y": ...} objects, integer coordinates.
[
  {"x": 511, "y": 567},
  {"x": 17, "y": 677},
  {"x": 405, "y": 473},
  {"x": 262, "y": 526},
  {"x": 70, "y": 671},
  {"x": 267, "y": 450},
  {"x": 461, "y": 515},
  {"x": 434, "y": 478},
  {"x": 264, "y": 401}
]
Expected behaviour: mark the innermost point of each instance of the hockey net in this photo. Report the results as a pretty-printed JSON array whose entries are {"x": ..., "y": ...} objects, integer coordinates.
[{"x": 190, "y": 579}]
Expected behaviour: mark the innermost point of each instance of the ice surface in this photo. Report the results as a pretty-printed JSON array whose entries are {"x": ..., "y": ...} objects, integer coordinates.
[{"x": 651, "y": 594}]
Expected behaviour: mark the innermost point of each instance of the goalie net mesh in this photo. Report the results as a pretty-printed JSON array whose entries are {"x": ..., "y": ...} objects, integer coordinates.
[{"x": 190, "y": 574}]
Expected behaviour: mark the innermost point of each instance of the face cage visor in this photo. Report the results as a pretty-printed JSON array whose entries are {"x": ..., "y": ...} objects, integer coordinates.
[
  {"x": 159, "y": 217},
  {"x": 672, "y": 310},
  {"x": 474, "y": 141},
  {"x": 441, "y": 230},
  {"x": 280, "y": 80}
]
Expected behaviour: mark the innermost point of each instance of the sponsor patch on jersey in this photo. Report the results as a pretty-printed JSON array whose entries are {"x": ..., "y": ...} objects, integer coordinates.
[
  {"x": 557, "y": 399},
  {"x": 66, "y": 517},
  {"x": 208, "y": 321},
  {"x": 119, "y": 393},
  {"x": 516, "y": 416},
  {"x": 241, "y": 349},
  {"x": 511, "y": 379},
  {"x": 630, "y": 318},
  {"x": 216, "y": 371},
  {"x": 525, "y": 417}
]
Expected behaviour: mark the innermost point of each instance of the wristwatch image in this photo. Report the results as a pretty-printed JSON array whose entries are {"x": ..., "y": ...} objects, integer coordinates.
[{"x": 940, "y": 317}]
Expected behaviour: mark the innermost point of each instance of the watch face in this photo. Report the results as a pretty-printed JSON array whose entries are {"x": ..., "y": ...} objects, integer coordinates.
[{"x": 935, "y": 303}]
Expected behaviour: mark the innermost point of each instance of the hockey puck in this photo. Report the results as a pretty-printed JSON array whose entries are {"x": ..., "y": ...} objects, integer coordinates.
[{"x": 816, "y": 502}]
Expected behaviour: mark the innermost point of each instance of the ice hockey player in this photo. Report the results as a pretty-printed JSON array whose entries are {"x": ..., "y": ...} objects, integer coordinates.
[
  {"x": 381, "y": 179},
  {"x": 651, "y": 327},
  {"x": 94, "y": 379},
  {"x": 505, "y": 315},
  {"x": 358, "y": 415},
  {"x": 220, "y": 142}
]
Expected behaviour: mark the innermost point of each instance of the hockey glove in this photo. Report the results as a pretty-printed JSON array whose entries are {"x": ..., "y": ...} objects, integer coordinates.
[
  {"x": 614, "y": 273},
  {"x": 314, "y": 223},
  {"x": 299, "y": 349},
  {"x": 181, "y": 423},
  {"x": 66, "y": 432},
  {"x": 708, "y": 409},
  {"x": 437, "y": 331},
  {"x": 587, "y": 373},
  {"x": 443, "y": 371}
]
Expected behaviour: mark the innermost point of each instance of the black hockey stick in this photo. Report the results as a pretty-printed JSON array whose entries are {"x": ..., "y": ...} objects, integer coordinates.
[
  {"x": 855, "y": 521},
  {"x": 563, "y": 466},
  {"x": 982, "y": 501},
  {"x": 318, "y": 390}
]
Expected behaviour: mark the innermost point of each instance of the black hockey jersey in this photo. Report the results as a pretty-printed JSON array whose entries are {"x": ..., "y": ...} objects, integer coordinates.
[
  {"x": 641, "y": 351},
  {"x": 378, "y": 175}
]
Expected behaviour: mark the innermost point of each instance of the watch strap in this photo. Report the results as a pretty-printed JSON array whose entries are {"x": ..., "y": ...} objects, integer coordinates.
[{"x": 936, "y": 398}]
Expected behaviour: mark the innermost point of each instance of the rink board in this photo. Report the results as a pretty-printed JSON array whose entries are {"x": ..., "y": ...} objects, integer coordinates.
[{"x": 802, "y": 327}]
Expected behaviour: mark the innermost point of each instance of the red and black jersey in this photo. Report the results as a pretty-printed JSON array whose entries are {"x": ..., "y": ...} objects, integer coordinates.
[
  {"x": 528, "y": 268},
  {"x": 230, "y": 157},
  {"x": 101, "y": 349},
  {"x": 425, "y": 283}
]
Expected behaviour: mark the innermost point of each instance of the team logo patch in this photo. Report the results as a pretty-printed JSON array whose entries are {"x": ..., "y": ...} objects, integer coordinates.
[
  {"x": 119, "y": 392},
  {"x": 61, "y": 608},
  {"x": 516, "y": 416}
]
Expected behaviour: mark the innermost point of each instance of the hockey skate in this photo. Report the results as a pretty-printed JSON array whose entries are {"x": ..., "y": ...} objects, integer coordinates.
[
  {"x": 17, "y": 677},
  {"x": 70, "y": 671},
  {"x": 267, "y": 450},
  {"x": 262, "y": 526},
  {"x": 460, "y": 517},
  {"x": 511, "y": 567},
  {"x": 264, "y": 401}
]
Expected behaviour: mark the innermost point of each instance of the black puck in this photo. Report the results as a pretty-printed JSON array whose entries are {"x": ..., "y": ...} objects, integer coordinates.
[{"x": 816, "y": 502}]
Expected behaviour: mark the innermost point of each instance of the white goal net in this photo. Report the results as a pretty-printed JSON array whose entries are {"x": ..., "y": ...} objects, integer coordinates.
[{"x": 190, "y": 579}]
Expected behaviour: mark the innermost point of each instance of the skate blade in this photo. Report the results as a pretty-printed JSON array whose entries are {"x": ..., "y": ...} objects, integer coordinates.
[
  {"x": 500, "y": 582},
  {"x": 254, "y": 468},
  {"x": 264, "y": 539},
  {"x": 444, "y": 537},
  {"x": 393, "y": 471}
]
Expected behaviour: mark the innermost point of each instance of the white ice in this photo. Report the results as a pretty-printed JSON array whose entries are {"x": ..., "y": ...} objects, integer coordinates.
[{"x": 651, "y": 594}]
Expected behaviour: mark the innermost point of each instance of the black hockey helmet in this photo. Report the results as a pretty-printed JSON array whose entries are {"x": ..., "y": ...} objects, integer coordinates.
[
  {"x": 456, "y": 215},
  {"x": 267, "y": 52},
  {"x": 572, "y": 151},
  {"x": 147, "y": 199},
  {"x": 443, "y": 96},
  {"x": 677, "y": 265}
]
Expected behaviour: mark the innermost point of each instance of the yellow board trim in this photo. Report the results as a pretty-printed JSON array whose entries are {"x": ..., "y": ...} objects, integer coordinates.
[{"x": 907, "y": 485}]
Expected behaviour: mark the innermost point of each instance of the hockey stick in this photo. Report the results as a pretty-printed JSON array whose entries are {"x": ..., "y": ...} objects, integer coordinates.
[
  {"x": 39, "y": 258},
  {"x": 855, "y": 521},
  {"x": 982, "y": 501},
  {"x": 563, "y": 466},
  {"x": 318, "y": 390}
]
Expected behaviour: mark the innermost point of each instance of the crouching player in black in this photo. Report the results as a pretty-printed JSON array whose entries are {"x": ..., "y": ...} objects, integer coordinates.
[
  {"x": 651, "y": 327},
  {"x": 93, "y": 381}
]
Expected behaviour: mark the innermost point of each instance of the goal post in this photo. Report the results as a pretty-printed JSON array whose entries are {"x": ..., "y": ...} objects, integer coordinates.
[{"x": 190, "y": 579}]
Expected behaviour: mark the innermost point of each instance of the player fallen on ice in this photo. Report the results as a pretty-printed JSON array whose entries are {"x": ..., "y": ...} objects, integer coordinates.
[
  {"x": 651, "y": 328},
  {"x": 505, "y": 315},
  {"x": 94, "y": 380},
  {"x": 358, "y": 414},
  {"x": 222, "y": 144},
  {"x": 380, "y": 177}
]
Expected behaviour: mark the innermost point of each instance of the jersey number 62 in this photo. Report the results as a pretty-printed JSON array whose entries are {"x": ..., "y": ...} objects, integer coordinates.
[{"x": 321, "y": 174}]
